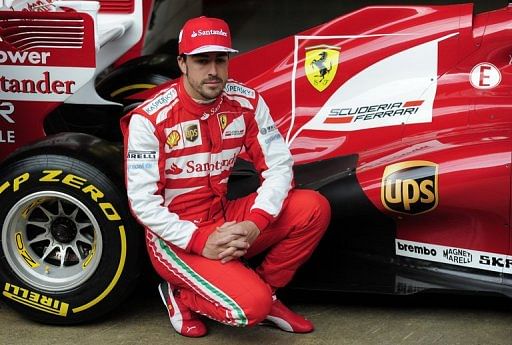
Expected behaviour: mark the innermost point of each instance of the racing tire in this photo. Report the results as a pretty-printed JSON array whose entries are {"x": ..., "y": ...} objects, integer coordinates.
[
  {"x": 69, "y": 250},
  {"x": 137, "y": 75}
]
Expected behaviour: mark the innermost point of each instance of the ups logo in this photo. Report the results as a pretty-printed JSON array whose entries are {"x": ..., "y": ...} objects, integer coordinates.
[
  {"x": 410, "y": 187},
  {"x": 191, "y": 133}
]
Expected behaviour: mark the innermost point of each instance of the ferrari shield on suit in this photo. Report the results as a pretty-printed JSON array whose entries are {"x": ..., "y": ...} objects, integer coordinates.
[{"x": 223, "y": 121}]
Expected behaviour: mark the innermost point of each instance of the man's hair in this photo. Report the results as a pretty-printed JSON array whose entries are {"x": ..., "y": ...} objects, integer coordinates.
[{"x": 184, "y": 56}]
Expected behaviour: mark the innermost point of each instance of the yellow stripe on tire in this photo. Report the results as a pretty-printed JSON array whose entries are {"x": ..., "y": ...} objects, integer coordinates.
[
  {"x": 116, "y": 276},
  {"x": 131, "y": 87}
]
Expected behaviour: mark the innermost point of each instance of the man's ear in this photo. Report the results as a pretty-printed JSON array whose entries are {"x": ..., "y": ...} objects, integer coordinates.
[{"x": 182, "y": 64}]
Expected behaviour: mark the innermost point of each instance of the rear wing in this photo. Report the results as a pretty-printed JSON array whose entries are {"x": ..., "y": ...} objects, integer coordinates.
[{"x": 78, "y": 39}]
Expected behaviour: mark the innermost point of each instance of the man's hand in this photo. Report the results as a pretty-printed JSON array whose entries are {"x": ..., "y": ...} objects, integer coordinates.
[
  {"x": 251, "y": 232},
  {"x": 230, "y": 241}
]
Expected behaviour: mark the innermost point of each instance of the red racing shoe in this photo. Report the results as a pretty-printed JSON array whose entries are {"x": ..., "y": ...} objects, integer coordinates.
[
  {"x": 184, "y": 321},
  {"x": 287, "y": 320}
]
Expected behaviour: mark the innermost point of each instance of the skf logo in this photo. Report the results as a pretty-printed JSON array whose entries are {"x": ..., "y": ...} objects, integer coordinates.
[
  {"x": 191, "y": 133},
  {"x": 223, "y": 120},
  {"x": 410, "y": 187},
  {"x": 173, "y": 138},
  {"x": 321, "y": 65}
]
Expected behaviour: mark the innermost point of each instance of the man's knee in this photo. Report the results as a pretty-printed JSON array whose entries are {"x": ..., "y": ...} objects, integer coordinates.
[
  {"x": 321, "y": 205},
  {"x": 315, "y": 208},
  {"x": 256, "y": 305}
]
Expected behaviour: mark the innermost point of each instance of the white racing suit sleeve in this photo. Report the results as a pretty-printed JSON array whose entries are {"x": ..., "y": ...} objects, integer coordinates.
[
  {"x": 272, "y": 160},
  {"x": 145, "y": 183}
]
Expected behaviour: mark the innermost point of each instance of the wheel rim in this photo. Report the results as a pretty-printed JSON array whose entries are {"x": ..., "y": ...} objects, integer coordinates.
[{"x": 52, "y": 241}]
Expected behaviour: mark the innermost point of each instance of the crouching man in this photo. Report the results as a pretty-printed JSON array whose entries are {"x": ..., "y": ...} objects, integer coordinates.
[{"x": 189, "y": 136}]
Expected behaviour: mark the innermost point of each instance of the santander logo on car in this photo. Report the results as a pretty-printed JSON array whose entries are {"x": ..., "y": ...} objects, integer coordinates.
[{"x": 20, "y": 57}]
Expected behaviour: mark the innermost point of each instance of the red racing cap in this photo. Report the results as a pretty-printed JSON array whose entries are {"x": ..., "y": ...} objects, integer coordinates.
[{"x": 203, "y": 35}]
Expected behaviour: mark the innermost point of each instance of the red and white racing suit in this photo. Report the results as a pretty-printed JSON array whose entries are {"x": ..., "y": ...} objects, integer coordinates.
[{"x": 179, "y": 155}]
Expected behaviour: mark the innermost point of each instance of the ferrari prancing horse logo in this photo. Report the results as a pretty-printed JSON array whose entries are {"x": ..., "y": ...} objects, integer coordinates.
[
  {"x": 223, "y": 120},
  {"x": 321, "y": 65}
]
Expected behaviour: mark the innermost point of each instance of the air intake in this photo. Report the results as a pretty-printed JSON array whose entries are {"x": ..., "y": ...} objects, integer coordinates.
[{"x": 116, "y": 6}]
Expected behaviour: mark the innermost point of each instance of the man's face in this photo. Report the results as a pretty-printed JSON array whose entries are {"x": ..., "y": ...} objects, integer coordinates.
[{"x": 205, "y": 74}]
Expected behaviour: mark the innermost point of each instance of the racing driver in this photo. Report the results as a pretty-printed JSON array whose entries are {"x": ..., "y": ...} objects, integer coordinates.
[{"x": 180, "y": 147}]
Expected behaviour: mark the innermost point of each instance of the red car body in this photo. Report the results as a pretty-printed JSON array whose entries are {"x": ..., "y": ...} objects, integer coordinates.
[
  {"x": 403, "y": 122},
  {"x": 421, "y": 96}
]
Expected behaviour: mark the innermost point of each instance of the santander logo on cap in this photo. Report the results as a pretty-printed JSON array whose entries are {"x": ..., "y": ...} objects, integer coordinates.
[
  {"x": 203, "y": 35},
  {"x": 208, "y": 32}
]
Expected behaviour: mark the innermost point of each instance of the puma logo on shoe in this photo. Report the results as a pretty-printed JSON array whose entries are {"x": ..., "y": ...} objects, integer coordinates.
[{"x": 183, "y": 320}]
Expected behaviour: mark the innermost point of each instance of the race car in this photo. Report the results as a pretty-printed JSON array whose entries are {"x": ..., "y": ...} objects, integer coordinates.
[{"x": 402, "y": 122}]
